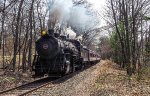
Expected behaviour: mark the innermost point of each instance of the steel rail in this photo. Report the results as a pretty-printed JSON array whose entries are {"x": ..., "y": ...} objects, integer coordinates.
[
  {"x": 21, "y": 86},
  {"x": 30, "y": 89}
]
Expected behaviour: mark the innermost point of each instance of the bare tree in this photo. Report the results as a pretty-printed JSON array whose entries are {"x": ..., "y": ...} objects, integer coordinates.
[
  {"x": 31, "y": 28},
  {"x": 127, "y": 16},
  {"x": 16, "y": 34}
]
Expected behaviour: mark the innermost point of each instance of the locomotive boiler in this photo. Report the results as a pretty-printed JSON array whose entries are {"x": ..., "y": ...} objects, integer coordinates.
[{"x": 56, "y": 55}]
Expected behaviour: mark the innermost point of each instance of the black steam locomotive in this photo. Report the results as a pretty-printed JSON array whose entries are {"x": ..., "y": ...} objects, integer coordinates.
[{"x": 58, "y": 55}]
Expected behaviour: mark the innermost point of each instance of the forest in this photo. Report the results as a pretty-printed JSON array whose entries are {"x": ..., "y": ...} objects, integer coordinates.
[{"x": 124, "y": 38}]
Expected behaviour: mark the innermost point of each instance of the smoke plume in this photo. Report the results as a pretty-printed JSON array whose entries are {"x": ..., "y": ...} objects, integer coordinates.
[{"x": 78, "y": 15}]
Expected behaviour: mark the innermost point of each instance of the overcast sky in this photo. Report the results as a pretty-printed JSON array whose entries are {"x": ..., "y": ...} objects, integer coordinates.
[{"x": 99, "y": 5}]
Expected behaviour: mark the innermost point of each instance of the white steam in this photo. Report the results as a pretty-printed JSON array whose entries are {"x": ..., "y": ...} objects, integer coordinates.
[
  {"x": 78, "y": 16},
  {"x": 71, "y": 33}
]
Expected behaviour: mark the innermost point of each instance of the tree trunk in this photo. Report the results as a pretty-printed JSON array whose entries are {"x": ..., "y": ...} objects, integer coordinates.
[
  {"x": 30, "y": 40},
  {"x": 16, "y": 35},
  {"x": 3, "y": 35}
]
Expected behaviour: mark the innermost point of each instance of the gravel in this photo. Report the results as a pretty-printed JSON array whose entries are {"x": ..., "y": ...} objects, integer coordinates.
[
  {"x": 102, "y": 79},
  {"x": 79, "y": 85}
]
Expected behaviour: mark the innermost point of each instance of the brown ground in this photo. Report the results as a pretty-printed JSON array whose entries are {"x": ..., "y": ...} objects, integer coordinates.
[
  {"x": 10, "y": 79},
  {"x": 103, "y": 79},
  {"x": 113, "y": 81}
]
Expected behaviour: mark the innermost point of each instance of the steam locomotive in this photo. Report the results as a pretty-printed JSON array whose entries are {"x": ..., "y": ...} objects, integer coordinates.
[{"x": 58, "y": 55}]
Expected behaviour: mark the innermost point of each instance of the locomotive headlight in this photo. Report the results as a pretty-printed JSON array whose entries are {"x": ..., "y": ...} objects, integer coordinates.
[{"x": 43, "y": 33}]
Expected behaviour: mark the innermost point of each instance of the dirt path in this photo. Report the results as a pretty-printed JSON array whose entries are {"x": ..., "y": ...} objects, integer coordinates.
[{"x": 84, "y": 87}]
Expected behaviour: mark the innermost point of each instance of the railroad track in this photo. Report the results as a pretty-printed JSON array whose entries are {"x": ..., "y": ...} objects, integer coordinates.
[
  {"x": 31, "y": 87},
  {"x": 27, "y": 88}
]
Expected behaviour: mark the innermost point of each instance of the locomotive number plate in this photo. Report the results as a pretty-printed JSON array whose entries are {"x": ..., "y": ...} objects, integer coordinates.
[{"x": 45, "y": 46}]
